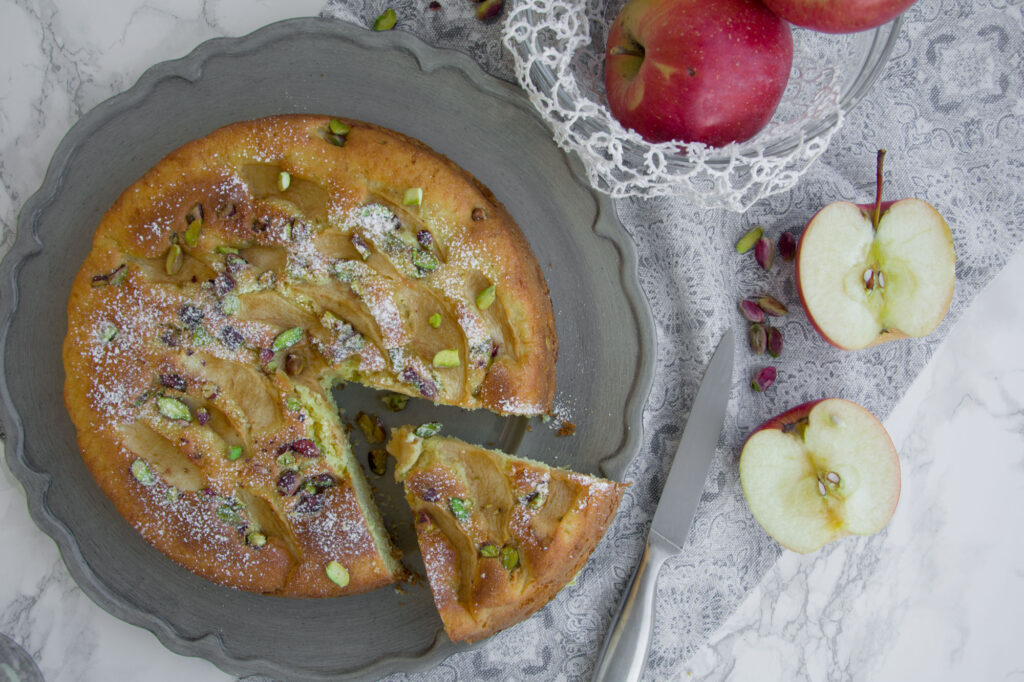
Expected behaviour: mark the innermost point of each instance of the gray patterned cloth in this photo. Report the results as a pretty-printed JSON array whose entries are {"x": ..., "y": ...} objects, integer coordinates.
[{"x": 949, "y": 108}]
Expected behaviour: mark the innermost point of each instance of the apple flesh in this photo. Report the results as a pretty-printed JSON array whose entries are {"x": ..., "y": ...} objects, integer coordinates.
[
  {"x": 819, "y": 472},
  {"x": 862, "y": 285},
  {"x": 839, "y": 16},
  {"x": 710, "y": 71}
]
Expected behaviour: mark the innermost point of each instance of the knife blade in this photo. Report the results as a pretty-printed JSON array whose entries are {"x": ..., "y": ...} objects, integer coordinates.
[{"x": 626, "y": 645}]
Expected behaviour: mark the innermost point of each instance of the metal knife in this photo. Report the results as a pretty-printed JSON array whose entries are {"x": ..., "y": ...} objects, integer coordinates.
[{"x": 625, "y": 647}]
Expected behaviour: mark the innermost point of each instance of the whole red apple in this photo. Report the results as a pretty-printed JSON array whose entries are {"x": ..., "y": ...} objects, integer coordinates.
[
  {"x": 819, "y": 472},
  {"x": 710, "y": 71},
  {"x": 838, "y": 16}
]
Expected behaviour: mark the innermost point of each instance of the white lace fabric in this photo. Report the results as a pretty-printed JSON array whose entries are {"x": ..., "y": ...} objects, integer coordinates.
[{"x": 558, "y": 48}]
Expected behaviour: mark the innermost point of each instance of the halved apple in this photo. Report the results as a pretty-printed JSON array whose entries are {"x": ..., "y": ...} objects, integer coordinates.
[
  {"x": 867, "y": 274},
  {"x": 821, "y": 471}
]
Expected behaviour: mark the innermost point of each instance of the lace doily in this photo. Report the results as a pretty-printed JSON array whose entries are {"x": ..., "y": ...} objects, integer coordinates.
[{"x": 558, "y": 47}]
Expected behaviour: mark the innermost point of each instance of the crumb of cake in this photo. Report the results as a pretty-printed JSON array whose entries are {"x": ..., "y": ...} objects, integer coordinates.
[{"x": 566, "y": 429}]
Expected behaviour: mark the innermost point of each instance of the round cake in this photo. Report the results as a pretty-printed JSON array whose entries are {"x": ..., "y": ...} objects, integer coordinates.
[{"x": 238, "y": 280}]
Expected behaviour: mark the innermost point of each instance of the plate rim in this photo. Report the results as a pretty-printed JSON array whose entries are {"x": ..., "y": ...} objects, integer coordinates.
[{"x": 27, "y": 244}]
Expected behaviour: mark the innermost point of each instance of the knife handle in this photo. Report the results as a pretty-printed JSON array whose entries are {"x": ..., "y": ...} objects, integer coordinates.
[{"x": 625, "y": 647}]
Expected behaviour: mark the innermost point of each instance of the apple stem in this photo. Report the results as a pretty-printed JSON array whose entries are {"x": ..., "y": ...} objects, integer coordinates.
[{"x": 878, "y": 190}]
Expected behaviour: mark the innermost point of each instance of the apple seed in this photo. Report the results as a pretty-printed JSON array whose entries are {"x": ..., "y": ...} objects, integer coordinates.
[
  {"x": 758, "y": 338},
  {"x": 751, "y": 311},
  {"x": 832, "y": 477},
  {"x": 764, "y": 253},
  {"x": 821, "y": 488},
  {"x": 747, "y": 241}
]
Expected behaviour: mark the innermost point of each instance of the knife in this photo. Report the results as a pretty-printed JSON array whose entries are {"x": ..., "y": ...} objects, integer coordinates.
[{"x": 625, "y": 647}]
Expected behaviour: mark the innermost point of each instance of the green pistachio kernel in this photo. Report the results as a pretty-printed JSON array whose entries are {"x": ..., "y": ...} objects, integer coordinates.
[
  {"x": 337, "y": 573},
  {"x": 293, "y": 403},
  {"x": 489, "y": 550},
  {"x": 192, "y": 233},
  {"x": 107, "y": 332},
  {"x": 231, "y": 304},
  {"x": 446, "y": 358},
  {"x": 200, "y": 336},
  {"x": 396, "y": 402},
  {"x": 287, "y": 339},
  {"x": 435, "y": 320},
  {"x": 460, "y": 508},
  {"x": 339, "y": 128},
  {"x": 142, "y": 474},
  {"x": 175, "y": 259},
  {"x": 536, "y": 501},
  {"x": 256, "y": 538},
  {"x": 284, "y": 180},
  {"x": 424, "y": 260},
  {"x": 386, "y": 21},
  {"x": 225, "y": 250},
  {"x": 427, "y": 430},
  {"x": 234, "y": 452},
  {"x": 171, "y": 494},
  {"x": 509, "y": 558},
  {"x": 286, "y": 460},
  {"x": 747, "y": 241},
  {"x": 485, "y": 298},
  {"x": 413, "y": 196},
  {"x": 172, "y": 408},
  {"x": 228, "y": 514}
]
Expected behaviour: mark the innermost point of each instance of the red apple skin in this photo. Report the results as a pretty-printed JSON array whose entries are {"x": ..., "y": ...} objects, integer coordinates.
[
  {"x": 790, "y": 416},
  {"x": 712, "y": 71},
  {"x": 888, "y": 334},
  {"x": 839, "y": 16}
]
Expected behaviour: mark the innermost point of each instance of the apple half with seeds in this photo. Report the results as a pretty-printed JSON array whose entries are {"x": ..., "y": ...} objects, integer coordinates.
[
  {"x": 819, "y": 472},
  {"x": 867, "y": 274}
]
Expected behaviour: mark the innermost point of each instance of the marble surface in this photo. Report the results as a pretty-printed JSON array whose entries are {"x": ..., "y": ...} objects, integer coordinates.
[{"x": 933, "y": 597}]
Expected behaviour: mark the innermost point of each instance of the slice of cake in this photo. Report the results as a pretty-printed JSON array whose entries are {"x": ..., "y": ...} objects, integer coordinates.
[{"x": 500, "y": 535}]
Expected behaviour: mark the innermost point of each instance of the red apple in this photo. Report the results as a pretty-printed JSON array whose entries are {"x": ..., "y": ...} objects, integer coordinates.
[
  {"x": 872, "y": 273},
  {"x": 819, "y": 472},
  {"x": 838, "y": 16},
  {"x": 710, "y": 71}
]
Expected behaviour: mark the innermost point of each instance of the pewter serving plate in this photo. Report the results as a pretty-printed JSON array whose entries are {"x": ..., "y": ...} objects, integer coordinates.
[{"x": 391, "y": 79}]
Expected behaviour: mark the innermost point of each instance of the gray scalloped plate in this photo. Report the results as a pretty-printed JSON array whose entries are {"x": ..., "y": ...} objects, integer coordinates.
[{"x": 393, "y": 79}]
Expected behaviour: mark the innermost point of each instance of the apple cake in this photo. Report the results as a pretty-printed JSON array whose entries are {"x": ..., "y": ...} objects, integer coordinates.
[
  {"x": 239, "y": 279},
  {"x": 500, "y": 535}
]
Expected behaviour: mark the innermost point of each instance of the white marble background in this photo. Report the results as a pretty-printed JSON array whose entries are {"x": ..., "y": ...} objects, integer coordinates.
[{"x": 936, "y": 596}]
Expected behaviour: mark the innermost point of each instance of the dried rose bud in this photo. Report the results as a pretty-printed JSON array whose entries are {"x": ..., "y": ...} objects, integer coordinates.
[
  {"x": 787, "y": 246},
  {"x": 751, "y": 311},
  {"x": 774, "y": 342},
  {"x": 764, "y": 253},
  {"x": 758, "y": 338},
  {"x": 772, "y": 306},
  {"x": 202, "y": 416},
  {"x": 763, "y": 379}
]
